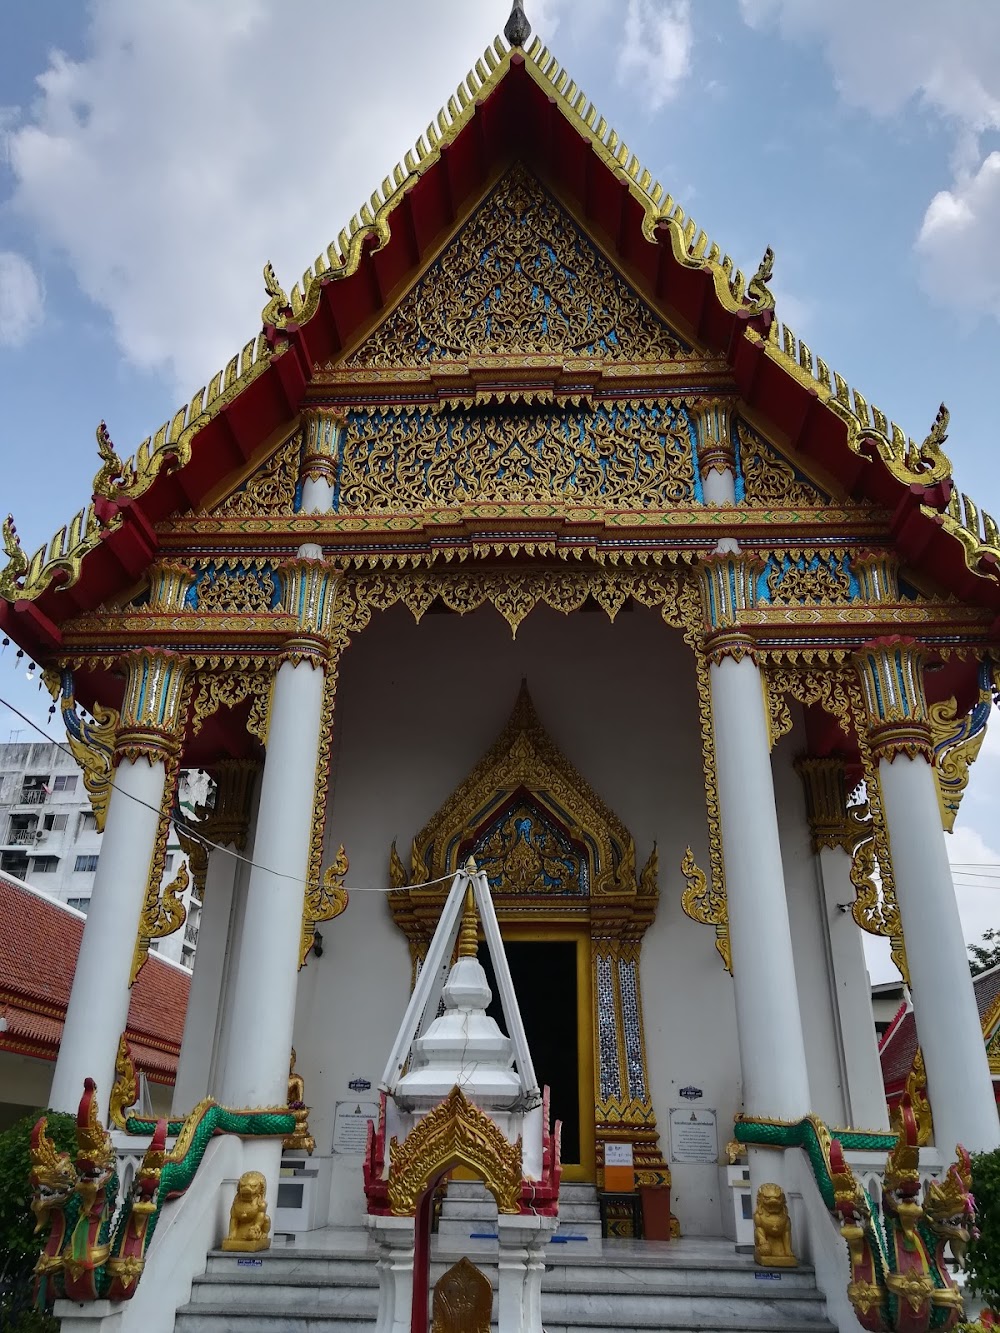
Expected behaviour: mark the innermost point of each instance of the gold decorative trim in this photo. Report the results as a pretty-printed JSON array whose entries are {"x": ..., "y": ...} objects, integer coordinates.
[
  {"x": 229, "y": 689},
  {"x": 707, "y": 906},
  {"x": 957, "y": 741},
  {"x": 125, "y": 1089},
  {"x": 314, "y": 890},
  {"x": 323, "y": 902},
  {"x": 92, "y": 743},
  {"x": 455, "y": 1133},
  {"x": 162, "y": 914}
]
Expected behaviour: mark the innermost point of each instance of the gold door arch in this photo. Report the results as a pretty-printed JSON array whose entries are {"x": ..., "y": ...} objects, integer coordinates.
[{"x": 558, "y": 861}]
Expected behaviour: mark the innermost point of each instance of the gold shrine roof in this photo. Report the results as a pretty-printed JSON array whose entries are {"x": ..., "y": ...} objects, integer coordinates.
[{"x": 869, "y": 434}]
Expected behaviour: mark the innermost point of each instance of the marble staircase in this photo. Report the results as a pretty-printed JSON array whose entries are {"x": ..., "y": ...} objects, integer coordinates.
[
  {"x": 328, "y": 1283},
  {"x": 469, "y": 1212}
]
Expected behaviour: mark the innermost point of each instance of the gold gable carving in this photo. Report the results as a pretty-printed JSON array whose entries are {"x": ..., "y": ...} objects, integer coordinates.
[
  {"x": 270, "y": 489},
  {"x": 525, "y": 773},
  {"x": 519, "y": 279}
]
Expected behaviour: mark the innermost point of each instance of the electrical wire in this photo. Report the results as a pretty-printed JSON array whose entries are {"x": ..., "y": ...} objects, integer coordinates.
[{"x": 192, "y": 829}]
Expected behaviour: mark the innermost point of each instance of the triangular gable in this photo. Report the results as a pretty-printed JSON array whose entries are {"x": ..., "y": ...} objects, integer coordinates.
[
  {"x": 514, "y": 104},
  {"x": 519, "y": 278}
]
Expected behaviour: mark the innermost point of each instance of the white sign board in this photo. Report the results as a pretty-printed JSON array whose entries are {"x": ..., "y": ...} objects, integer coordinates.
[
  {"x": 618, "y": 1154},
  {"x": 694, "y": 1135},
  {"x": 350, "y": 1126}
]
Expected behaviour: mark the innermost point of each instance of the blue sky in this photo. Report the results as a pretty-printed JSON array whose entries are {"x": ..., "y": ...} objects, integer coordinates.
[{"x": 153, "y": 157}]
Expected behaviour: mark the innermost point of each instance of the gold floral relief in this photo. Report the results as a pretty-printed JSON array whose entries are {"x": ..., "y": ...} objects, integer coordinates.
[
  {"x": 767, "y": 478},
  {"x": 271, "y": 489},
  {"x": 618, "y": 455},
  {"x": 519, "y": 278}
]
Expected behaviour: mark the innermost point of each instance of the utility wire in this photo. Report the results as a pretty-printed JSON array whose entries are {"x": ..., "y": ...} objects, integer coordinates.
[{"x": 193, "y": 831}]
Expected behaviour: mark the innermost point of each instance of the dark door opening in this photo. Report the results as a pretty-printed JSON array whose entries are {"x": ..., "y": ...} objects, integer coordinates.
[{"x": 544, "y": 977}]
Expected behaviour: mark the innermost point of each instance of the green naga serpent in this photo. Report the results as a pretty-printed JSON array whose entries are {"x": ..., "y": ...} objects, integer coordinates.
[
  {"x": 899, "y": 1282},
  {"x": 87, "y": 1255}
]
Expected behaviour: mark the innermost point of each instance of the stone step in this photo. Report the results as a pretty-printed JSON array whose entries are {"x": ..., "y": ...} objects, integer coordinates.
[
  {"x": 475, "y": 1209},
  {"x": 229, "y": 1319}
]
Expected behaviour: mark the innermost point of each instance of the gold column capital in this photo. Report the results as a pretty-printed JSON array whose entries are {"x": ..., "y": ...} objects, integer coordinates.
[
  {"x": 154, "y": 708},
  {"x": 832, "y": 822},
  {"x": 892, "y": 681},
  {"x": 322, "y": 435},
  {"x": 877, "y": 573},
  {"x": 169, "y": 584},
  {"x": 308, "y": 588},
  {"x": 728, "y": 584},
  {"x": 712, "y": 421}
]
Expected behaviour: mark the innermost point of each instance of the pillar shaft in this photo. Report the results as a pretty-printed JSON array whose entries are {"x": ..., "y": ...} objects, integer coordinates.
[
  {"x": 97, "y": 1014},
  {"x": 194, "y": 1065},
  {"x": 948, "y": 1026},
  {"x": 959, "y": 1083},
  {"x": 772, "y": 1050}
]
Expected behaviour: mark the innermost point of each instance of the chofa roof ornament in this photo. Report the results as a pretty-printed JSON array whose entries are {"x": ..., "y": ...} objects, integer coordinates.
[{"x": 517, "y": 29}]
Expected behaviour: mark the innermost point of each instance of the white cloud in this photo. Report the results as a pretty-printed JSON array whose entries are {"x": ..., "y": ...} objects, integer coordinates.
[
  {"x": 22, "y": 300},
  {"x": 656, "y": 48},
  {"x": 884, "y": 56},
  {"x": 194, "y": 142},
  {"x": 956, "y": 246}
]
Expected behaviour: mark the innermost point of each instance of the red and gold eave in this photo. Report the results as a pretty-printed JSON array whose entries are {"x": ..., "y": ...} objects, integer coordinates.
[{"x": 518, "y": 116}]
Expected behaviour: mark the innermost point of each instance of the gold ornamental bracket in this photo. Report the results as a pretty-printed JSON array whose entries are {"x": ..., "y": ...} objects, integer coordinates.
[
  {"x": 706, "y": 905},
  {"x": 323, "y": 902},
  {"x": 125, "y": 1089}
]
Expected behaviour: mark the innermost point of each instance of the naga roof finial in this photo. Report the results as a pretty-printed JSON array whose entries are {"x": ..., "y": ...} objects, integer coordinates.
[{"x": 517, "y": 29}]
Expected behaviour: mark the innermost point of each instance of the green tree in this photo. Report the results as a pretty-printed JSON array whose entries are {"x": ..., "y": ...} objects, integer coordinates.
[
  {"x": 983, "y": 1261},
  {"x": 986, "y": 953},
  {"x": 19, "y": 1246}
]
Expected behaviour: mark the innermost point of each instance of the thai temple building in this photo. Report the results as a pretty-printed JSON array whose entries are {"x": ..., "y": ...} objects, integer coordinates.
[{"x": 582, "y": 667}]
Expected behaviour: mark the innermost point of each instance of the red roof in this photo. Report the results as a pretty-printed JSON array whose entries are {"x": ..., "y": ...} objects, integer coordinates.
[
  {"x": 39, "y": 943},
  {"x": 899, "y": 1045}
]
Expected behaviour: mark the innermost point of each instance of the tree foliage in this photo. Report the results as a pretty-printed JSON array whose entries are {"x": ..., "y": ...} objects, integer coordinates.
[
  {"x": 986, "y": 953},
  {"x": 19, "y": 1246},
  {"x": 983, "y": 1262}
]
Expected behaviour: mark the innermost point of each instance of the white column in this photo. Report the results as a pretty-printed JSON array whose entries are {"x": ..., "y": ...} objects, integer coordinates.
[
  {"x": 716, "y": 452},
  {"x": 194, "y": 1065},
  {"x": 256, "y": 1072},
  {"x": 864, "y": 1090},
  {"x": 959, "y": 1085},
  {"x": 323, "y": 433},
  {"x": 97, "y": 1013},
  {"x": 835, "y": 833},
  {"x": 772, "y": 1050},
  {"x": 98, "y": 1003}
]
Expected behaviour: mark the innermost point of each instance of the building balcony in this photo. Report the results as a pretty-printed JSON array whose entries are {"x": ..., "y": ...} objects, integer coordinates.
[
  {"x": 22, "y": 837},
  {"x": 33, "y": 796}
]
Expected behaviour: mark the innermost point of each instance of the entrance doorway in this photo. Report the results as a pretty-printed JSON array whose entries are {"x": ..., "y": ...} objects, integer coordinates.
[{"x": 550, "y": 979}]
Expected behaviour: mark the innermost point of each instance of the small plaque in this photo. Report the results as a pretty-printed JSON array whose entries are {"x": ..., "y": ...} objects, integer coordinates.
[
  {"x": 360, "y": 1085},
  {"x": 618, "y": 1154},
  {"x": 249, "y": 1263},
  {"x": 694, "y": 1135},
  {"x": 692, "y": 1094},
  {"x": 350, "y": 1126}
]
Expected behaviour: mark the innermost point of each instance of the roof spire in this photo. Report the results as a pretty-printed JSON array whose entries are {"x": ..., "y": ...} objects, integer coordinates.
[
  {"x": 468, "y": 936},
  {"x": 517, "y": 29}
]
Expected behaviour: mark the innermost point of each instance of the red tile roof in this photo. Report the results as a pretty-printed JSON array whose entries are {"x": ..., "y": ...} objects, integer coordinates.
[
  {"x": 39, "y": 943},
  {"x": 899, "y": 1045}
]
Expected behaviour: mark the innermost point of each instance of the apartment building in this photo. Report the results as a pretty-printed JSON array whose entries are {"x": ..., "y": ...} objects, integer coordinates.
[{"x": 49, "y": 837}]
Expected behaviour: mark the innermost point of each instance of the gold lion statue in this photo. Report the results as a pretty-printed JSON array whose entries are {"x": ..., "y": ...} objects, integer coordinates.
[
  {"x": 249, "y": 1224},
  {"x": 772, "y": 1229}
]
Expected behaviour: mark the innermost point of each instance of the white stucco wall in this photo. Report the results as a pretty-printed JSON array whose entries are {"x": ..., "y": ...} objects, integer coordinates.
[{"x": 417, "y": 707}]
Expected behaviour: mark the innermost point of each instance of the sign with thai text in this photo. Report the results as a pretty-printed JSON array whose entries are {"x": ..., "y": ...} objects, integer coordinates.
[
  {"x": 350, "y": 1126},
  {"x": 694, "y": 1135}
]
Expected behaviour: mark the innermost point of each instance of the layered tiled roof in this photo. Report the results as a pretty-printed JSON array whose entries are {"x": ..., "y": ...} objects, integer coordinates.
[
  {"x": 899, "y": 1044},
  {"x": 39, "y": 943}
]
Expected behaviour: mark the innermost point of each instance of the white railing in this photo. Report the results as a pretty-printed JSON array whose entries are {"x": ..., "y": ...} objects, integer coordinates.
[
  {"x": 33, "y": 796},
  {"x": 21, "y": 837}
]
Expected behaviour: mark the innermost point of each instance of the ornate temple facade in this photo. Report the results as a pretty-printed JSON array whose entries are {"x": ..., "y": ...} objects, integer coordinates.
[{"x": 524, "y": 531}]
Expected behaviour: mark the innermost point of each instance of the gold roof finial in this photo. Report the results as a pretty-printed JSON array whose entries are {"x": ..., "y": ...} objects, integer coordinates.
[
  {"x": 517, "y": 29},
  {"x": 468, "y": 936}
]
